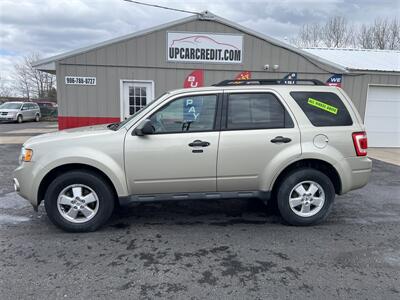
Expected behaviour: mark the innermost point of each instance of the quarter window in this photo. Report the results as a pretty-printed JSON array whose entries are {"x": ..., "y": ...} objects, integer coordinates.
[
  {"x": 323, "y": 108},
  {"x": 256, "y": 111},
  {"x": 187, "y": 114}
]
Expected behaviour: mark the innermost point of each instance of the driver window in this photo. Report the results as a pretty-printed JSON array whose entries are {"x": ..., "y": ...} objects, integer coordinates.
[{"x": 187, "y": 114}]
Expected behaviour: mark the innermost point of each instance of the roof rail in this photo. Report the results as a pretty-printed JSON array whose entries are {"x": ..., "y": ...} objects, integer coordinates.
[{"x": 269, "y": 82}]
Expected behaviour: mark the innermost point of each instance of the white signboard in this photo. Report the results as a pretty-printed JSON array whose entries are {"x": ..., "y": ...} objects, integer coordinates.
[
  {"x": 79, "y": 80},
  {"x": 204, "y": 47}
]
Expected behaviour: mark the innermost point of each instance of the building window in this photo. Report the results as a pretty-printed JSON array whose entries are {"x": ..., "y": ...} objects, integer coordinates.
[{"x": 137, "y": 99}]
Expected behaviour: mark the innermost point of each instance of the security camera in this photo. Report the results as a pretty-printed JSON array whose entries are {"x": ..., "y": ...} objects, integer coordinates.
[{"x": 266, "y": 67}]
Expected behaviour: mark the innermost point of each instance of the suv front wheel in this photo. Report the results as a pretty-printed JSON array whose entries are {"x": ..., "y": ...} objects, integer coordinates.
[
  {"x": 79, "y": 201},
  {"x": 305, "y": 197}
]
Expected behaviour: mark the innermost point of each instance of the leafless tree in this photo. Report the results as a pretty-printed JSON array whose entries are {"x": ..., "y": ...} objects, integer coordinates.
[
  {"x": 337, "y": 33},
  {"x": 365, "y": 37},
  {"x": 5, "y": 89},
  {"x": 31, "y": 82},
  {"x": 380, "y": 32},
  {"x": 394, "y": 34},
  {"x": 21, "y": 80},
  {"x": 310, "y": 35}
]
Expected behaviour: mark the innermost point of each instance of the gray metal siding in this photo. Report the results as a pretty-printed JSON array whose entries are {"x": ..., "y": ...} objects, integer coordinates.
[{"x": 150, "y": 51}]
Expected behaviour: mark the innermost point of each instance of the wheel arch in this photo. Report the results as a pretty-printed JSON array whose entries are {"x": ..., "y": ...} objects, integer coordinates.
[
  {"x": 52, "y": 174},
  {"x": 318, "y": 164}
]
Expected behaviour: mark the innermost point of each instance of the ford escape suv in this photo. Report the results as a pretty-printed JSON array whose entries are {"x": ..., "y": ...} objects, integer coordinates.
[{"x": 298, "y": 145}]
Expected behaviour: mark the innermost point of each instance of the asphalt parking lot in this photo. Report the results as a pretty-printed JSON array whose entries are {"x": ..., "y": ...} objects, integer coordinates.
[{"x": 232, "y": 249}]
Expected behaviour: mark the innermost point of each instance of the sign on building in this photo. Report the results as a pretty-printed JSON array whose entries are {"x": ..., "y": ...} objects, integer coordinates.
[
  {"x": 79, "y": 80},
  {"x": 204, "y": 47}
]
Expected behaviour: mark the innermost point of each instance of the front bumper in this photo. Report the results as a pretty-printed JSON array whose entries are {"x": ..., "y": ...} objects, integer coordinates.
[
  {"x": 8, "y": 118},
  {"x": 24, "y": 182}
]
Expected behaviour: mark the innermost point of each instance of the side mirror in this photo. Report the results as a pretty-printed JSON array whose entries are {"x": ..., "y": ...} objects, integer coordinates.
[{"x": 144, "y": 128}]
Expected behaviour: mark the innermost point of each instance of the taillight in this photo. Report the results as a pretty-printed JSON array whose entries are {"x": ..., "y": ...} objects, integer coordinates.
[{"x": 360, "y": 143}]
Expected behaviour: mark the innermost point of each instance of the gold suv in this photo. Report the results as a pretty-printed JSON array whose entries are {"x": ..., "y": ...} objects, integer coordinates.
[{"x": 297, "y": 144}]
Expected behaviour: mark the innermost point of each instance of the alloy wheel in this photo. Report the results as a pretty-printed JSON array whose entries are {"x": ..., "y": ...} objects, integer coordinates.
[
  {"x": 78, "y": 203},
  {"x": 307, "y": 198}
]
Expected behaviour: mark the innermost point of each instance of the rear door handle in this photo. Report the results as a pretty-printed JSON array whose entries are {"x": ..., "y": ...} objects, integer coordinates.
[
  {"x": 281, "y": 139},
  {"x": 198, "y": 143}
]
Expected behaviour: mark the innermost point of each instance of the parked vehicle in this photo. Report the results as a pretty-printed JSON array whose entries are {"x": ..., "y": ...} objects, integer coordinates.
[
  {"x": 298, "y": 145},
  {"x": 47, "y": 108},
  {"x": 19, "y": 111}
]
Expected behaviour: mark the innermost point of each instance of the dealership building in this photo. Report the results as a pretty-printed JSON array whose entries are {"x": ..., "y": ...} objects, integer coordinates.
[{"x": 109, "y": 81}]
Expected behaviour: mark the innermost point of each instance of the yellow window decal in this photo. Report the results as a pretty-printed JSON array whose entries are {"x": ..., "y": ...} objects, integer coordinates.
[{"x": 323, "y": 106}]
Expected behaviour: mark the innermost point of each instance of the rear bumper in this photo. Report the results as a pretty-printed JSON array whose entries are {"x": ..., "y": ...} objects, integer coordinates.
[{"x": 355, "y": 173}]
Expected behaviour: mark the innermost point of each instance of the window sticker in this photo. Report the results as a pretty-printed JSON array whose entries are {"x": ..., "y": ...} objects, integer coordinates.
[
  {"x": 192, "y": 109},
  {"x": 323, "y": 106}
]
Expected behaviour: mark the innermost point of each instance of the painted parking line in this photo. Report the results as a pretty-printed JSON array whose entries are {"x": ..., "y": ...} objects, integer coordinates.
[{"x": 14, "y": 139}]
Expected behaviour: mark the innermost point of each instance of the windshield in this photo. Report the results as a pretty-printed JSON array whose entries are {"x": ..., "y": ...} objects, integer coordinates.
[
  {"x": 131, "y": 117},
  {"x": 10, "y": 105}
]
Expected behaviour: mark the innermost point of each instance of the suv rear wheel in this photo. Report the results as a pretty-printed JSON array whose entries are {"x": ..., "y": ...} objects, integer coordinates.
[
  {"x": 79, "y": 201},
  {"x": 305, "y": 197}
]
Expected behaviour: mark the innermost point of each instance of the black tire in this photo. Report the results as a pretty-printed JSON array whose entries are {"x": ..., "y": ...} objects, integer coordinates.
[
  {"x": 90, "y": 179},
  {"x": 288, "y": 184},
  {"x": 37, "y": 118},
  {"x": 20, "y": 119}
]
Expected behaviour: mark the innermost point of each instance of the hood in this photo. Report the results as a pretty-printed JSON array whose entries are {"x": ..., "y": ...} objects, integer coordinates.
[
  {"x": 71, "y": 134},
  {"x": 9, "y": 110}
]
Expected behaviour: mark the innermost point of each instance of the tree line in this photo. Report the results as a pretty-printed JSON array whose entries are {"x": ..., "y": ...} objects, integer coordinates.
[{"x": 338, "y": 32}]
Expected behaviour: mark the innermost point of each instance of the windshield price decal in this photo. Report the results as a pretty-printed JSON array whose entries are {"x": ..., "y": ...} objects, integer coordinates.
[
  {"x": 323, "y": 106},
  {"x": 79, "y": 80}
]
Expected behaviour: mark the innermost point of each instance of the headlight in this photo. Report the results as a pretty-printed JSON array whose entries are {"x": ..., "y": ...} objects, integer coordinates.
[{"x": 26, "y": 155}]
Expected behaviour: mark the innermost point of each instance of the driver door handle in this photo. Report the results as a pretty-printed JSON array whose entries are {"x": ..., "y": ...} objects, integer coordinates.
[
  {"x": 198, "y": 143},
  {"x": 281, "y": 139}
]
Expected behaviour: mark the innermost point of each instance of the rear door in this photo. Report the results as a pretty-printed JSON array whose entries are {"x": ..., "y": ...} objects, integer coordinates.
[{"x": 257, "y": 135}]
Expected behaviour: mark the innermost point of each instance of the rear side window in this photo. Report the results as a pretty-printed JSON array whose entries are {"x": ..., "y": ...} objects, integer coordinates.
[
  {"x": 256, "y": 111},
  {"x": 322, "y": 108}
]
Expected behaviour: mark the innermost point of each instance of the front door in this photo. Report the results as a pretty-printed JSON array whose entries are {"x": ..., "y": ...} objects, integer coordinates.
[
  {"x": 257, "y": 132},
  {"x": 181, "y": 156},
  {"x": 136, "y": 95}
]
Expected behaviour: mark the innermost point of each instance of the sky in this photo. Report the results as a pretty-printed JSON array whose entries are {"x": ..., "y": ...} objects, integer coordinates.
[{"x": 50, "y": 27}]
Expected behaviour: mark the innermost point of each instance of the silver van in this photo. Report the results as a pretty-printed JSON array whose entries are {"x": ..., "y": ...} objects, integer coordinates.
[{"x": 20, "y": 111}]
